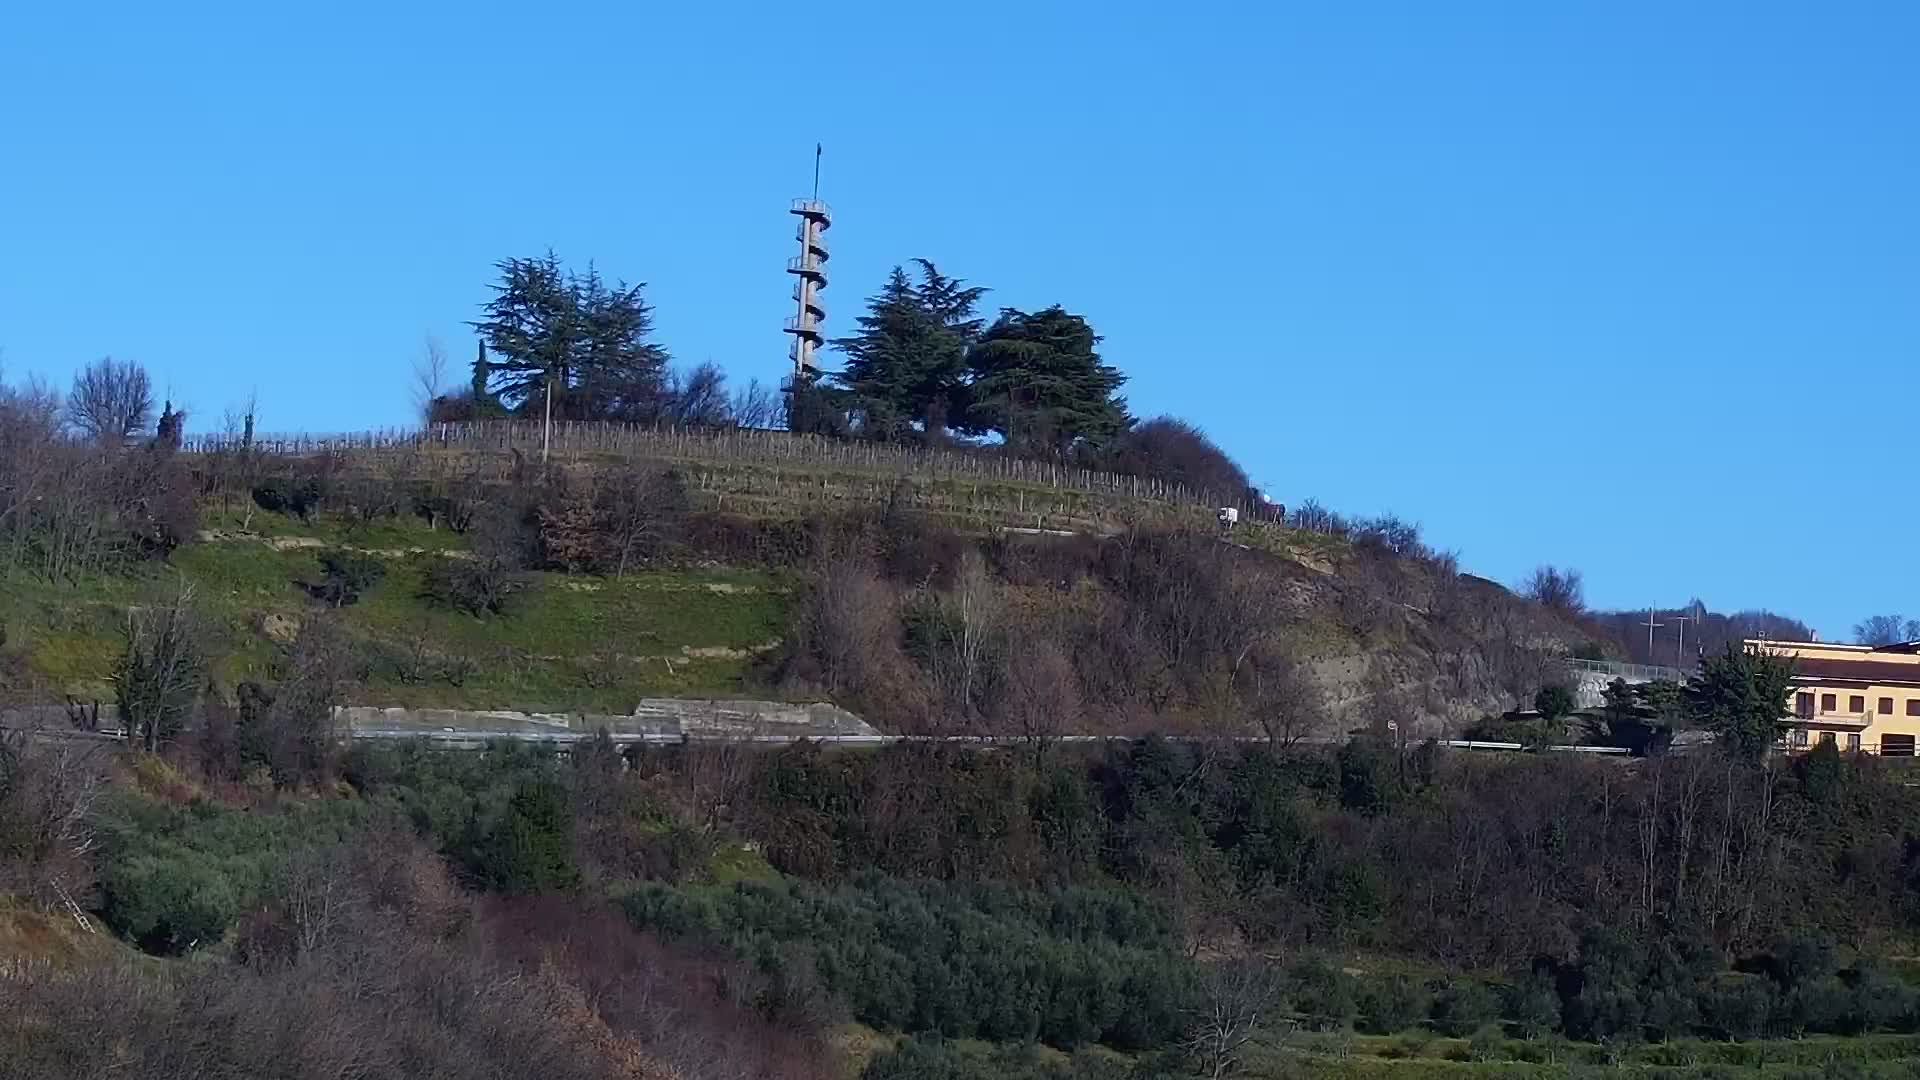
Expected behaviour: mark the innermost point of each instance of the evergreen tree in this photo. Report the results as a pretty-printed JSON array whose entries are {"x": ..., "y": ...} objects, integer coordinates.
[
  {"x": 589, "y": 337},
  {"x": 170, "y": 430},
  {"x": 907, "y": 364},
  {"x": 1741, "y": 697},
  {"x": 1038, "y": 382}
]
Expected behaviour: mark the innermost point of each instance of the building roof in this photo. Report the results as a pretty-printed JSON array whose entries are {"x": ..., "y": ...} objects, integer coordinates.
[{"x": 1832, "y": 669}]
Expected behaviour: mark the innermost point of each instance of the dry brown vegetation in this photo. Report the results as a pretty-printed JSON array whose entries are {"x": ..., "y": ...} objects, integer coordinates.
[{"x": 370, "y": 962}]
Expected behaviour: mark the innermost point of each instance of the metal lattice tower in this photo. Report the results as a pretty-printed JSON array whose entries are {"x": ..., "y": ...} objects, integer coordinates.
[{"x": 809, "y": 269}]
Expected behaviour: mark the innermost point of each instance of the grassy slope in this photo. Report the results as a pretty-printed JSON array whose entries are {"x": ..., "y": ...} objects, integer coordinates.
[
  {"x": 570, "y": 642},
  {"x": 1420, "y": 1056}
]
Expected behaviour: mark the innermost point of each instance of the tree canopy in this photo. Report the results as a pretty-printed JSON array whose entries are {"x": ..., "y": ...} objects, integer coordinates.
[
  {"x": 907, "y": 364},
  {"x": 1037, "y": 381},
  {"x": 589, "y": 336},
  {"x": 1885, "y": 630},
  {"x": 1741, "y": 696}
]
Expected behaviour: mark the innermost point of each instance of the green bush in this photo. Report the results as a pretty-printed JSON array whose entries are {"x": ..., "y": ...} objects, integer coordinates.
[
  {"x": 530, "y": 850},
  {"x": 1065, "y": 967},
  {"x": 1392, "y": 1004},
  {"x": 1463, "y": 1006},
  {"x": 345, "y": 575},
  {"x": 1487, "y": 1044},
  {"x": 174, "y": 878},
  {"x": 1533, "y": 1005},
  {"x": 281, "y": 495}
]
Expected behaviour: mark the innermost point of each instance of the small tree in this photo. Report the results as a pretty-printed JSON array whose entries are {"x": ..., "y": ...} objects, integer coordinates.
[
  {"x": 480, "y": 585},
  {"x": 289, "y": 726},
  {"x": 111, "y": 400},
  {"x": 1885, "y": 630},
  {"x": 1554, "y": 702},
  {"x": 159, "y": 674},
  {"x": 1237, "y": 1001},
  {"x": 345, "y": 575},
  {"x": 1741, "y": 696},
  {"x": 1557, "y": 590},
  {"x": 531, "y": 849}
]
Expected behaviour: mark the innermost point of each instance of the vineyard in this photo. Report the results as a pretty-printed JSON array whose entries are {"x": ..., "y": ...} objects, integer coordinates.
[{"x": 759, "y": 473}]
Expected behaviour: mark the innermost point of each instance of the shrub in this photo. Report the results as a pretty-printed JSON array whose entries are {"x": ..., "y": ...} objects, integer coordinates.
[
  {"x": 1392, "y": 1004},
  {"x": 531, "y": 849},
  {"x": 293, "y": 497},
  {"x": 175, "y": 878},
  {"x": 1464, "y": 1006},
  {"x": 481, "y": 585},
  {"x": 158, "y": 676},
  {"x": 345, "y": 575},
  {"x": 1554, "y": 702},
  {"x": 1534, "y": 1006},
  {"x": 987, "y": 962}
]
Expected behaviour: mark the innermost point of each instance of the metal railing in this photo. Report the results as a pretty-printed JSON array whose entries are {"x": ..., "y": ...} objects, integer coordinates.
[
  {"x": 1630, "y": 672},
  {"x": 812, "y": 208}
]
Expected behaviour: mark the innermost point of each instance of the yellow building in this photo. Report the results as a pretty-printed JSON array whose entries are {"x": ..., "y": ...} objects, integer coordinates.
[{"x": 1858, "y": 697}]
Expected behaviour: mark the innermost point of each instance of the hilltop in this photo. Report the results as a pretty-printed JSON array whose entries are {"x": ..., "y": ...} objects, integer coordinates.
[{"x": 730, "y": 543}]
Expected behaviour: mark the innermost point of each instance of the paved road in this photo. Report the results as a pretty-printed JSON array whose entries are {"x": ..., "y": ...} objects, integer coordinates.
[{"x": 458, "y": 739}]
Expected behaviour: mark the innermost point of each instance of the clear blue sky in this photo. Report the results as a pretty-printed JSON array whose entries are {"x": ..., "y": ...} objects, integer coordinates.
[{"x": 1631, "y": 287}]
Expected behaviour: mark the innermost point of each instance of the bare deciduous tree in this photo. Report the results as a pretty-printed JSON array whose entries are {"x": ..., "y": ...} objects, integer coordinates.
[
  {"x": 755, "y": 405},
  {"x": 698, "y": 397},
  {"x": 47, "y": 796},
  {"x": 641, "y": 511},
  {"x": 1277, "y": 694},
  {"x": 1239, "y": 1001},
  {"x": 110, "y": 401},
  {"x": 429, "y": 377},
  {"x": 1885, "y": 630},
  {"x": 1041, "y": 700},
  {"x": 964, "y": 626},
  {"x": 318, "y": 895},
  {"x": 1556, "y": 590}
]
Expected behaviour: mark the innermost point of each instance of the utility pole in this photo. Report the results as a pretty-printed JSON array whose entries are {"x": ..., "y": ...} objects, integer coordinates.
[
  {"x": 1651, "y": 627},
  {"x": 546, "y": 428},
  {"x": 1680, "y": 648}
]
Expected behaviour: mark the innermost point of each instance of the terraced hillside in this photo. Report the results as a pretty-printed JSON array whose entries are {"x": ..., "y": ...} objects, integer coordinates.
[
  {"x": 732, "y": 532},
  {"x": 571, "y": 642}
]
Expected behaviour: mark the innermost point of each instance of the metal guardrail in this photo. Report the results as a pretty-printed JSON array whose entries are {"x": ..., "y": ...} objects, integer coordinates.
[{"x": 1630, "y": 672}]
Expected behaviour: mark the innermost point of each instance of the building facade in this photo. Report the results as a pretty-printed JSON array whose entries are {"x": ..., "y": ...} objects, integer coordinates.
[{"x": 1861, "y": 698}]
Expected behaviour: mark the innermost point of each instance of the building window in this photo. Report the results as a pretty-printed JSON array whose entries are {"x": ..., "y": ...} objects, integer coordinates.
[
  {"x": 1803, "y": 705},
  {"x": 1829, "y": 703},
  {"x": 1886, "y": 706},
  {"x": 1856, "y": 703},
  {"x": 1853, "y": 742},
  {"x": 1896, "y": 745},
  {"x": 1826, "y": 738},
  {"x": 1913, "y": 706},
  {"x": 1799, "y": 736}
]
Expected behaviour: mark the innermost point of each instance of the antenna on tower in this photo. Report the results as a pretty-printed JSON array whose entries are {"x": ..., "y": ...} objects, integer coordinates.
[{"x": 816, "y": 172}]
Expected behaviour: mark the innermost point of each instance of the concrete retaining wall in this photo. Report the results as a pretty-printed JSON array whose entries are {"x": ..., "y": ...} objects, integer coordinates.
[{"x": 653, "y": 718}]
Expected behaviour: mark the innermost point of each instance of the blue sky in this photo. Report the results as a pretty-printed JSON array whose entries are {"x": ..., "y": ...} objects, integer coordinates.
[{"x": 1631, "y": 287}]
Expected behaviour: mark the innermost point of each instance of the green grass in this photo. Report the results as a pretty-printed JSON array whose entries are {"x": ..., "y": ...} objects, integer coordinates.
[
  {"x": 566, "y": 643},
  {"x": 1412, "y": 1056}
]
